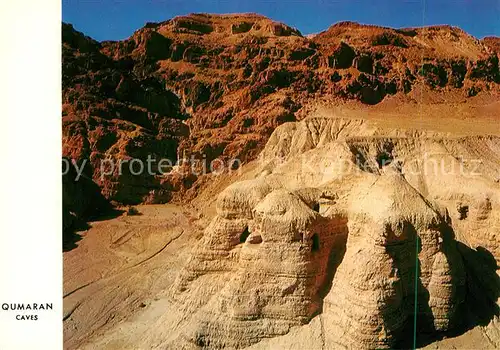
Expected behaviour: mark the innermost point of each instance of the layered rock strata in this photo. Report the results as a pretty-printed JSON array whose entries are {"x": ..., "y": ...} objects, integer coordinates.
[{"x": 369, "y": 246}]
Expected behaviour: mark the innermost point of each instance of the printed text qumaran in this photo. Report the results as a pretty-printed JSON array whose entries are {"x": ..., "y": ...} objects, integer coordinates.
[{"x": 29, "y": 306}]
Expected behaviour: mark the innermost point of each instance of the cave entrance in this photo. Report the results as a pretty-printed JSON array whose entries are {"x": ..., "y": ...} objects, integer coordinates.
[
  {"x": 244, "y": 235},
  {"x": 316, "y": 207},
  {"x": 383, "y": 159},
  {"x": 315, "y": 243}
]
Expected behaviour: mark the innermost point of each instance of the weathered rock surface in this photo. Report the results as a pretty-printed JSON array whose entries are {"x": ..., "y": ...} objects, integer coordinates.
[
  {"x": 216, "y": 86},
  {"x": 353, "y": 233}
]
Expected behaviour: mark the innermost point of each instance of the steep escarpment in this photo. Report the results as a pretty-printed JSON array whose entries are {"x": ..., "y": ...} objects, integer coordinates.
[
  {"x": 208, "y": 87},
  {"x": 112, "y": 113},
  {"x": 352, "y": 231}
]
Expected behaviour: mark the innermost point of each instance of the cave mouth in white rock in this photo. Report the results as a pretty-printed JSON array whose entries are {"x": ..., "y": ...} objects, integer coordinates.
[{"x": 244, "y": 235}]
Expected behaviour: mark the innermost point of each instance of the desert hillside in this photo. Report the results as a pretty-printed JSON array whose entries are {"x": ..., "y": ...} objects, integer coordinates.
[
  {"x": 364, "y": 214},
  {"x": 216, "y": 86},
  {"x": 344, "y": 233}
]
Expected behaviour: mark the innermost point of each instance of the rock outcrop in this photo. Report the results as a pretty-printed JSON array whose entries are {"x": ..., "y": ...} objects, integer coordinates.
[
  {"x": 216, "y": 86},
  {"x": 351, "y": 225}
]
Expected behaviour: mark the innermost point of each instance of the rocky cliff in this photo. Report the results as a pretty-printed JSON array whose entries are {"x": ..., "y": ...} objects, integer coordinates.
[
  {"x": 341, "y": 234},
  {"x": 216, "y": 86},
  {"x": 357, "y": 233}
]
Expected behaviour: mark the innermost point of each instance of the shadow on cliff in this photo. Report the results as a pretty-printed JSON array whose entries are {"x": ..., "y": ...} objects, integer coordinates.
[
  {"x": 82, "y": 201},
  {"x": 404, "y": 256},
  {"x": 482, "y": 289},
  {"x": 71, "y": 236},
  {"x": 483, "y": 286},
  {"x": 74, "y": 225},
  {"x": 334, "y": 260}
]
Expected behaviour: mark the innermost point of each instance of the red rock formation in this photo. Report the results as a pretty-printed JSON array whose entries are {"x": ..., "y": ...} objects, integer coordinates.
[{"x": 216, "y": 86}]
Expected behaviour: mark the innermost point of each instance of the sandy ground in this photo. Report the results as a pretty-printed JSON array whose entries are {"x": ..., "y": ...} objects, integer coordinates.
[
  {"x": 479, "y": 116},
  {"x": 123, "y": 267}
]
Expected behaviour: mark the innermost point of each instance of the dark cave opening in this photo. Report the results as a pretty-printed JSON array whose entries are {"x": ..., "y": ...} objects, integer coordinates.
[
  {"x": 315, "y": 243},
  {"x": 244, "y": 235},
  {"x": 383, "y": 159},
  {"x": 316, "y": 207}
]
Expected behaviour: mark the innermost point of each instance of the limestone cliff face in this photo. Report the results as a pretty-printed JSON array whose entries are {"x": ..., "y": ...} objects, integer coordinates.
[
  {"x": 339, "y": 227},
  {"x": 279, "y": 258},
  {"x": 399, "y": 251}
]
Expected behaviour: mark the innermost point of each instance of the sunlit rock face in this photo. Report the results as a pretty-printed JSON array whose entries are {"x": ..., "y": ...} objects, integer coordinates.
[
  {"x": 400, "y": 250},
  {"x": 370, "y": 251},
  {"x": 217, "y": 85}
]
